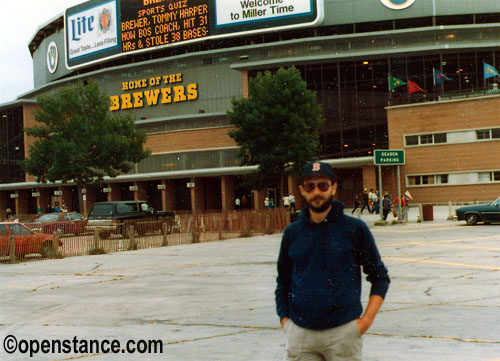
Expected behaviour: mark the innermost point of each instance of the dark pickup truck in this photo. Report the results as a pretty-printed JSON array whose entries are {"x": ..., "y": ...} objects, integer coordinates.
[{"x": 121, "y": 216}]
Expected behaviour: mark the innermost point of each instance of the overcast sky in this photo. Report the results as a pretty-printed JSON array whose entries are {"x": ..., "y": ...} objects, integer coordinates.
[{"x": 19, "y": 20}]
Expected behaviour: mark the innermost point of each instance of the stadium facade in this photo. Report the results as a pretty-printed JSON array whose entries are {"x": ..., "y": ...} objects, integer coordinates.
[{"x": 412, "y": 75}]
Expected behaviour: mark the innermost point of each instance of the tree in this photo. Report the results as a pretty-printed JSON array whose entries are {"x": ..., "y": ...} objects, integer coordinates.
[
  {"x": 278, "y": 126},
  {"x": 79, "y": 140}
]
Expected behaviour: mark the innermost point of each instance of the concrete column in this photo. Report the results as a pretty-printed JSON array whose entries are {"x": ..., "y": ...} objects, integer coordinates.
[
  {"x": 67, "y": 197},
  {"x": 3, "y": 203},
  {"x": 116, "y": 194},
  {"x": 227, "y": 192},
  {"x": 44, "y": 199},
  {"x": 168, "y": 195},
  {"x": 141, "y": 194},
  {"x": 89, "y": 199},
  {"x": 293, "y": 188},
  {"x": 198, "y": 194},
  {"x": 244, "y": 83},
  {"x": 258, "y": 199},
  {"x": 22, "y": 202}
]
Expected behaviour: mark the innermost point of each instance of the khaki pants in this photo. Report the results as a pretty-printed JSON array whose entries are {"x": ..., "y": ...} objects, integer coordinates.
[{"x": 341, "y": 343}]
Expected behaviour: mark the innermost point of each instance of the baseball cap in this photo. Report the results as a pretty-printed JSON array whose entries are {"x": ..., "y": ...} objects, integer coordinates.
[{"x": 317, "y": 168}]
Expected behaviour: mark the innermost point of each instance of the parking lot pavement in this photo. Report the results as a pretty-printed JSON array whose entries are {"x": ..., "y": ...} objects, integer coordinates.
[{"x": 215, "y": 301}]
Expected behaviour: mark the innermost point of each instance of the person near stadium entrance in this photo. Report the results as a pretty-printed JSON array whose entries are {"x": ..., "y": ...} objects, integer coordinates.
[{"x": 318, "y": 292}]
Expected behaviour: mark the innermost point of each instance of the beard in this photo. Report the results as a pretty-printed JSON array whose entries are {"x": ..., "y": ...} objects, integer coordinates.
[{"x": 323, "y": 206}]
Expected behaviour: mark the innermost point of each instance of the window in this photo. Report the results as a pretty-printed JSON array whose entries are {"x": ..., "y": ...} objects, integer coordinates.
[
  {"x": 440, "y": 138},
  {"x": 495, "y": 133},
  {"x": 442, "y": 179},
  {"x": 102, "y": 210},
  {"x": 75, "y": 217},
  {"x": 411, "y": 140},
  {"x": 484, "y": 177},
  {"x": 495, "y": 176},
  {"x": 437, "y": 138},
  {"x": 482, "y": 134},
  {"x": 426, "y": 139},
  {"x": 418, "y": 180},
  {"x": 18, "y": 230},
  {"x": 127, "y": 207}
]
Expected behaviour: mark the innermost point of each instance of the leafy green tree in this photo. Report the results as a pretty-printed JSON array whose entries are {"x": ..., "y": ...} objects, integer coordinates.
[
  {"x": 79, "y": 140},
  {"x": 278, "y": 126}
]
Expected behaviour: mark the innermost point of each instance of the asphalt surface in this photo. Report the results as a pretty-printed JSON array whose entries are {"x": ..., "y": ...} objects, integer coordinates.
[{"x": 215, "y": 301}]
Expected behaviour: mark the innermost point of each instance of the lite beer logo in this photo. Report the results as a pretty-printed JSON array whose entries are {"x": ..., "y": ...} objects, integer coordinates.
[
  {"x": 52, "y": 57},
  {"x": 92, "y": 30},
  {"x": 397, "y": 4},
  {"x": 105, "y": 20}
]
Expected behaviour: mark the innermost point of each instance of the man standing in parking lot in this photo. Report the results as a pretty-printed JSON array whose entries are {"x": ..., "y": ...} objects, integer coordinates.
[{"x": 318, "y": 293}]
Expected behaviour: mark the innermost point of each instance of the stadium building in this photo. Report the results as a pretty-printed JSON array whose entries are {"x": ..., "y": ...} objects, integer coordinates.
[{"x": 417, "y": 76}]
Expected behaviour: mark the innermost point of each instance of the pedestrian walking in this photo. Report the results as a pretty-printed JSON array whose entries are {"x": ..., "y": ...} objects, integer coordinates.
[
  {"x": 319, "y": 275},
  {"x": 375, "y": 201},
  {"x": 356, "y": 203},
  {"x": 286, "y": 202},
  {"x": 365, "y": 201},
  {"x": 291, "y": 199},
  {"x": 386, "y": 206},
  {"x": 407, "y": 197},
  {"x": 8, "y": 214}
]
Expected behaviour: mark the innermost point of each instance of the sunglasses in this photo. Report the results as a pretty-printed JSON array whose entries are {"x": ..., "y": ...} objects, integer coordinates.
[{"x": 322, "y": 186}]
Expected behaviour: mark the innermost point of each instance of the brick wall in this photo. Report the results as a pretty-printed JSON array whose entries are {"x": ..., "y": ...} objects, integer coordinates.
[
  {"x": 445, "y": 116},
  {"x": 190, "y": 140},
  {"x": 28, "y": 122}
]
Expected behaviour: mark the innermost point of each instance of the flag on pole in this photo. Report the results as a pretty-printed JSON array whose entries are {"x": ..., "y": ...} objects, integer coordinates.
[
  {"x": 413, "y": 87},
  {"x": 489, "y": 71},
  {"x": 439, "y": 76},
  {"x": 394, "y": 82}
]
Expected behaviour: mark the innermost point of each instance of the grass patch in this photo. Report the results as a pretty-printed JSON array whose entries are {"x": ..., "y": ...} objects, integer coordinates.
[{"x": 97, "y": 251}]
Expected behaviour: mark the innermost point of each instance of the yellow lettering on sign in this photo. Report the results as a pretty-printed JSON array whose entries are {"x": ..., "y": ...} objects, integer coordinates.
[
  {"x": 126, "y": 101},
  {"x": 114, "y": 103},
  {"x": 138, "y": 103},
  {"x": 192, "y": 91},
  {"x": 166, "y": 95},
  {"x": 138, "y": 99},
  {"x": 179, "y": 94},
  {"x": 152, "y": 96}
]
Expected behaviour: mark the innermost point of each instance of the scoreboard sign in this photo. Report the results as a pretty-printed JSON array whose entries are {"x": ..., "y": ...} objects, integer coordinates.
[
  {"x": 163, "y": 23},
  {"x": 102, "y": 29}
]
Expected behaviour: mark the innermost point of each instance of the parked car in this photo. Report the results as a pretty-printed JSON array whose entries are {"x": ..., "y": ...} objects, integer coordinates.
[
  {"x": 27, "y": 241},
  {"x": 67, "y": 222},
  {"x": 120, "y": 216},
  {"x": 486, "y": 213}
]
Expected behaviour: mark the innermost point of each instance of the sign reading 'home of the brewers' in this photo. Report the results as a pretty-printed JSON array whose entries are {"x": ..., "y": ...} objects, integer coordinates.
[
  {"x": 389, "y": 156},
  {"x": 166, "y": 90}
]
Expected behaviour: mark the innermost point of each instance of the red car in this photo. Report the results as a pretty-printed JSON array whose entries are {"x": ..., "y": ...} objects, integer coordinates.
[
  {"x": 27, "y": 241},
  {"x": 67, "y": 222}
]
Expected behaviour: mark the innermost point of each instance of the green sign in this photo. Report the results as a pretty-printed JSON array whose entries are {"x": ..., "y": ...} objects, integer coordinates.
[{"x": 389, "y": 156}]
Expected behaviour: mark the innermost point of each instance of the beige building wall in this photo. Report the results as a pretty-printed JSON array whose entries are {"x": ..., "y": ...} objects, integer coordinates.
[{"x": 440, "y": 117}]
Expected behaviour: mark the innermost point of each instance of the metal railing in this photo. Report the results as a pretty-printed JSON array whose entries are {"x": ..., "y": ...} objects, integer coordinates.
[{"x": 144, "y": 233}]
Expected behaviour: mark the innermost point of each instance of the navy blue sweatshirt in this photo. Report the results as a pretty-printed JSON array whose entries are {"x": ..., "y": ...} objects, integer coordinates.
[{"x": 319, "y": 270}]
